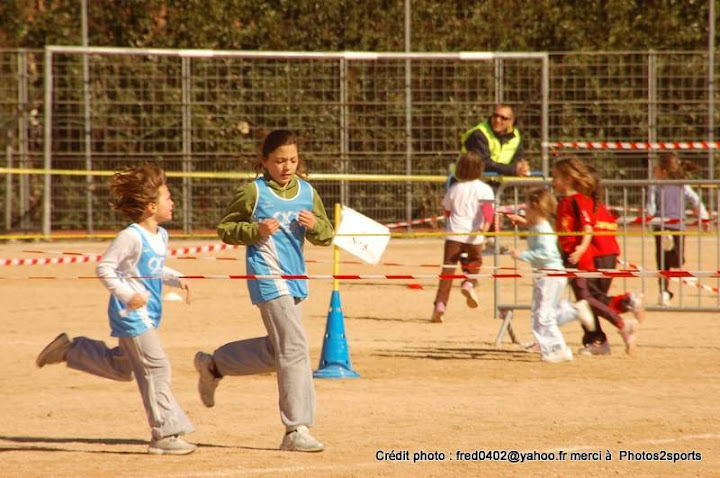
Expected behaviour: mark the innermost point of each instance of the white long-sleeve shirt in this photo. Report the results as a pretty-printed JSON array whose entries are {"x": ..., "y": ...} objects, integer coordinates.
[
  {"x": 669, "y": 202},
  {"x": 542, "y": 252},
  {"x": 134, "y": 263}
]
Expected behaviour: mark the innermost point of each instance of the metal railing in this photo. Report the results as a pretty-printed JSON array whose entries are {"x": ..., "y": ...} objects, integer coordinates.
[{"x": 636, "y": 238}]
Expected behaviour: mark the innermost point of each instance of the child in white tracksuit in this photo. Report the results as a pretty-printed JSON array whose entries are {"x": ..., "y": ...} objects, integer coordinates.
[{"x": 548, "y": 311}]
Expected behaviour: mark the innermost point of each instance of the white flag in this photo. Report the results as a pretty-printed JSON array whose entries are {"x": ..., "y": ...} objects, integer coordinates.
[{"x": 368, "y": 248}]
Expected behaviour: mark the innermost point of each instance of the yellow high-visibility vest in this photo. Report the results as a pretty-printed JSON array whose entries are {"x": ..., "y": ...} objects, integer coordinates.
[{"x": 499, "y": 153}]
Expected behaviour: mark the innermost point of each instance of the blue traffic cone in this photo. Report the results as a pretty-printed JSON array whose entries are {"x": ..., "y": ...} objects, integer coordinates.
[{"x": 335, "y": 359}]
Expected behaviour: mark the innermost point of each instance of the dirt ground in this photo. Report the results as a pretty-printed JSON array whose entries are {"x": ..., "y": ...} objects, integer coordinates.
[{"x": 442, "y": 390}]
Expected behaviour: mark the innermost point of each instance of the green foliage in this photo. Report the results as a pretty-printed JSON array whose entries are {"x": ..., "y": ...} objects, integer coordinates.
[
  {"x": 138, "y": 106},
  {"x": 372, "y": 25}
]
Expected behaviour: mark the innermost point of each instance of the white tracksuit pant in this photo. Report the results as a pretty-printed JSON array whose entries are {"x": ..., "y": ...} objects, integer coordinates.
[{"x": 548, "y": 311}]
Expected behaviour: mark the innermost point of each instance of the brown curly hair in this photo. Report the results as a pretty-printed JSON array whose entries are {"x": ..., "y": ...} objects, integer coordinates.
[{"x": 134, "y": 188}]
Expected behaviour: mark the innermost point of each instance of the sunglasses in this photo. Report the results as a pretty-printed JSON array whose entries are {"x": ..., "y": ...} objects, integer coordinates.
[{"x": 504, "y": 118}]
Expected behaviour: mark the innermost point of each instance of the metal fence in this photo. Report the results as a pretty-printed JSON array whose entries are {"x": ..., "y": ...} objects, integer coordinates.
[
  {"x": 636, "y": 238},
  {"x": 98, "y": 109}
]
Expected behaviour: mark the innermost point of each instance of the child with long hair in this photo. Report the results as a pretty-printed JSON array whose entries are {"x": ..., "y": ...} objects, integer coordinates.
[
  {"x": 133, "y": 270},
  {"x": 607, "y": 252},
  {"x": 272, "y": 216},
  {"x": 667, "y": 203},
  {"x": 548, "y": 309},
  {"x": 572, "y": 180},
  {"x": 468, "y": 206}
]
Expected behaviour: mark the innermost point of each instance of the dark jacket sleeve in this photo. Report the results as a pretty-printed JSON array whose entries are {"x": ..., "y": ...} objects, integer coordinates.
[{"x": 478, "y": 142}]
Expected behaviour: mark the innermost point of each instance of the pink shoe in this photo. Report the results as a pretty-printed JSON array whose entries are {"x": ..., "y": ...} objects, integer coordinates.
[
  {"x": 471, "y": 298},
  {"x": 438, "y": 312},
  {"x": 635, "y": 304},
  {"x": 629, "y": 334}
]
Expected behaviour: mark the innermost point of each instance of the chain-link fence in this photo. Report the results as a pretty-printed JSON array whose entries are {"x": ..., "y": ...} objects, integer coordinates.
[{"x": 399, "y": 114}]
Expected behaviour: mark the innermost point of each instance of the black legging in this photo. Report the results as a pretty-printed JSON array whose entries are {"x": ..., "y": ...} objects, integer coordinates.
[
  {"x": 582, "y": 289},
  {"x": 666, "y": 260}
]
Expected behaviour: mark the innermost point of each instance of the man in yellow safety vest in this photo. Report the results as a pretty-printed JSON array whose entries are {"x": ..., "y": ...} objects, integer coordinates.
[{"x": 498, "y": 142}]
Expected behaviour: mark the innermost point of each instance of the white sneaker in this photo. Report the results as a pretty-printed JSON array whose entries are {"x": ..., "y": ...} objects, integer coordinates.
[
  {"x": 300, "y": 439},
  {"x": 172, "y": 445},
  {"x": 666, "y": 297},
  {"x": 207, "y": 382},
  {"x": 635, "y": 303},
  {"x": 471, "y": 298},
  {"x": 585, "y": 315},
  {"x": 559, "y": 355},
  {"x": 629, "y": 334}
]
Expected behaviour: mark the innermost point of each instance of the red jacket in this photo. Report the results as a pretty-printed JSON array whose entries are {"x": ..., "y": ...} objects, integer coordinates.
[{"x": 573, "y": 214}]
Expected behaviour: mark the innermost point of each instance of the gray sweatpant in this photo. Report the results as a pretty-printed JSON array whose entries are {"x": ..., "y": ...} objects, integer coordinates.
[
  {"x": 144, "y": 357},
  {"x": 284, "y": 349}
]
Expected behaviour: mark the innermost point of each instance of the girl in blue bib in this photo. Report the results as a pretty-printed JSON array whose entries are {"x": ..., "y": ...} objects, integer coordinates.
[
  {"x": 133, "y": 270},
  {"x": 273, "y": 216}
]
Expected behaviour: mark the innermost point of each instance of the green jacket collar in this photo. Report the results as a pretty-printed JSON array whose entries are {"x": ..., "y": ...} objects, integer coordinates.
[{"x": 272, "y": 184}]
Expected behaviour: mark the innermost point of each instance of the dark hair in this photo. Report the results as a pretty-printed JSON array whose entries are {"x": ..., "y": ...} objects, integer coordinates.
[
  {"x": 272, "y": 141},
  {"x": 674, "y": 166},
  {"x": 469, "y": 167},
  {"x": 572, "y": 167},
  {"x": 134, "y": 188},
  {"x": 544, "y": 202}
]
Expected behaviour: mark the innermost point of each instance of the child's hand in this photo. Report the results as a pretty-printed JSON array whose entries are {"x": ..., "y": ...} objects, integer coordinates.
[
  {"x": 268, "y": 227},
  {"x": 574, "y": 258},
  {"x": 184, "y": 285},
  {"x": 137, "y": 300},
  {"x": 516, "y": 219},
  {"x": 307, "y": 219},
  {"x": 516, "y": 253}
]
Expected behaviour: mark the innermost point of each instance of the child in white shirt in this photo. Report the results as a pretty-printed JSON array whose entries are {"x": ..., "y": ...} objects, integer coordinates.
[{"x": 468, "y": 206}]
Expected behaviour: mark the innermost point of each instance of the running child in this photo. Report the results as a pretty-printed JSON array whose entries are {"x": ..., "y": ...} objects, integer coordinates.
[
  {"x": 468, "y": 206},
  {"x": 572, "y": 180},
  {"x": 133, "y": 270},
  {"x": 607, "y": 251},
  {"x": 273, "y": 216},
  {"x": 667, "y": 204},
  {"x": 548, "y": 309}
]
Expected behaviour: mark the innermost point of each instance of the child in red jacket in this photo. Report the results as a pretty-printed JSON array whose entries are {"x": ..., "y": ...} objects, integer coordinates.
[{"x": 572, "y": 180}]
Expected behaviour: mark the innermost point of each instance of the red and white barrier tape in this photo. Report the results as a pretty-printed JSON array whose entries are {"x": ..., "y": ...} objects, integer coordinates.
[
  {"x": 394, "y": 225},
  {"x": 689, "y": 281},
  {"x": 636, "y": 146},
  {"x": 656, "y": 221},
  {"x": 499, "y": 210},
  {"x": 599, "y": 274},
  {"x": 82, "y": 258}
]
